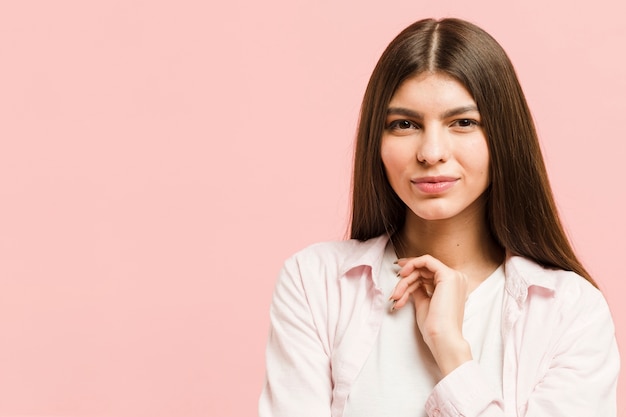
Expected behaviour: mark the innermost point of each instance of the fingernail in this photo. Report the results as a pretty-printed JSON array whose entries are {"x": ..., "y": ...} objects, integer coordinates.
[
  {"x": 393, "y": 306},
  {"x": 395, "y": 262}
]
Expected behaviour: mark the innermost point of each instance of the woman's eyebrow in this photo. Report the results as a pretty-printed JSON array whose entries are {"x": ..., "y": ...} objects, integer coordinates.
[
  {"x": 401, "y": 111},
  {"x": 459, "y": 110}
]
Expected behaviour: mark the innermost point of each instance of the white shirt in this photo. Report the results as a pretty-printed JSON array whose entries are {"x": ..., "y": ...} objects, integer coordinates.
[
  {"x": 560, "y": 355},
  {"x": 400, "y": 372}
]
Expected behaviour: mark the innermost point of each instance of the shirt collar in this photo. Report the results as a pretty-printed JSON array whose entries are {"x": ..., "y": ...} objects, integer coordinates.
[
  {"x": 522, "y": 273},
  {"x": 368, "y": 253}
]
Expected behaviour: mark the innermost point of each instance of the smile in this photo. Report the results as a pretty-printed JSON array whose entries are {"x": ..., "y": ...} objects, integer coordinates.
[{"x": 434, "y": 185}]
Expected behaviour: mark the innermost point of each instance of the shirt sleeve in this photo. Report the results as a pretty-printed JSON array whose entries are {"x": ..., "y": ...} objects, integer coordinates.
[
  {"x": 582, "y": 377},
  {"x": 298, "y": 375},
  {"x": 464, "y": 392},
  {"x": 580, "y": 381}
]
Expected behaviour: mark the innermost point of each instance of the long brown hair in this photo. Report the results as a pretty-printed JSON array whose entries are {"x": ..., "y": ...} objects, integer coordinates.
[{"x": 521, "y": 212}]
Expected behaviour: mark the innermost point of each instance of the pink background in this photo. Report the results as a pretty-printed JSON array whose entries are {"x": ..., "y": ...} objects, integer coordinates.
[{"x": 160, "y": 159}]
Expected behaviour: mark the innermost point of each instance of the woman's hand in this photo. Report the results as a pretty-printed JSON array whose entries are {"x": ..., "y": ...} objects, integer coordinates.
[{"x": 439, "y": 294}]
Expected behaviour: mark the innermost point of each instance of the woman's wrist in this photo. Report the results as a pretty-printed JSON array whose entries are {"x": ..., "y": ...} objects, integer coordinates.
[{"x": 451, "y": 354}]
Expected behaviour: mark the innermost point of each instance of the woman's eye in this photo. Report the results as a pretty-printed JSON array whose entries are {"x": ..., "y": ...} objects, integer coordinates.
[
  {"x": 466, "y": 123},
  {"x": 401, "y": 125}
]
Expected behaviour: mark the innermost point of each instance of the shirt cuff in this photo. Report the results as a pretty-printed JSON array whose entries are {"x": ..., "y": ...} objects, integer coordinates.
[{"x": 463, "y": 392}]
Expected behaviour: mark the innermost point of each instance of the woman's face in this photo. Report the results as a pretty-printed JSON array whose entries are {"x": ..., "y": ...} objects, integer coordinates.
[{"x": 434, "y": 149}]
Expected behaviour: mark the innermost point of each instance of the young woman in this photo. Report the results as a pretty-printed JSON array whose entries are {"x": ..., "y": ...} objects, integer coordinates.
[{"x": 459, "y": 293}]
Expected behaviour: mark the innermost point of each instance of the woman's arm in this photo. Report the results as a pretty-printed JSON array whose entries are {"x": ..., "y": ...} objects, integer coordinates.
[
  {"x": 298, "y": 378},
  {"x": 582, "y": 377},
  {"x": 580, "y": 380},
  {"x": 439, "y": 294}
]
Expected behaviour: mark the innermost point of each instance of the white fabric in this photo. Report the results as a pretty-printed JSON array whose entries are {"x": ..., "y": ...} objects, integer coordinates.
[
  {"x": 482, "y": 327},
  {"x": 400, "y": 372},
  {"x": 560, "y": 352}
]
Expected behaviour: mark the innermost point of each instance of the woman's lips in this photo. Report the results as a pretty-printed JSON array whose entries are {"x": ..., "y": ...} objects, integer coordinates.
[{"x": 434, "y": 185}]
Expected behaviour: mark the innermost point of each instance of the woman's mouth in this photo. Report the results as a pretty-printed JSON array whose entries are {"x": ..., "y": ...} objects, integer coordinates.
[{"x": 434, "y": 185}]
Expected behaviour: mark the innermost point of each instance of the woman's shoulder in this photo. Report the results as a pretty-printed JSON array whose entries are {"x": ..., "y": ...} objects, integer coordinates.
[
  {"x": 341, "y": 252},
  {"x": 568, "y": 287},
  {"x": 557, "y": 299},
  {"x": 317, "y": 267},
  {"x": 340, "y": 255}
]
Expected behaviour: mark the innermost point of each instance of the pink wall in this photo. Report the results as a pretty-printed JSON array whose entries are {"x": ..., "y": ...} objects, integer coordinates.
[{"x": 160, "y": 159}]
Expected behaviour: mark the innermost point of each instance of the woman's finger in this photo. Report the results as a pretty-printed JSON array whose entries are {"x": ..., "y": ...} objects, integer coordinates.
[
  {"x": 404, "y": 298},
  {"x": 402, "y": 286},
  {"x": 422, "y": 304},
  {"x": 426, "y": 262}
]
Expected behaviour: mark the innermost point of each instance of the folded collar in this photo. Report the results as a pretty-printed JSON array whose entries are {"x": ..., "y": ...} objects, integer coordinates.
[
  {"x": 368, "y": 253},
  {"x": 521, "y": 273}
]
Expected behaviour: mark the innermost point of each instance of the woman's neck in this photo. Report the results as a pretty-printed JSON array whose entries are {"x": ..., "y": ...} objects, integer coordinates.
[{"x": 463, "y": 243}]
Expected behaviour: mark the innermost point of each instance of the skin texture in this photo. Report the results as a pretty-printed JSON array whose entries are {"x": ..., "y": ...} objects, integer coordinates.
[
  {"x": 437, "y": 161},
  {"x": 422, "y": 140}
]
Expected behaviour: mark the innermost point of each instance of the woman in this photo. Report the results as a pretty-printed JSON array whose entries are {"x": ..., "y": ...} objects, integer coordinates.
[{"x": 459, "y": 293}]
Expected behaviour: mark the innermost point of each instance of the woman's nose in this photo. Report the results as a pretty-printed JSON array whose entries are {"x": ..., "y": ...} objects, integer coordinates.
[{"x": 433, "y": 147}]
